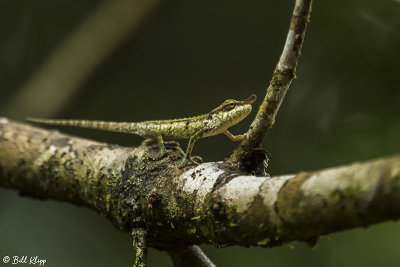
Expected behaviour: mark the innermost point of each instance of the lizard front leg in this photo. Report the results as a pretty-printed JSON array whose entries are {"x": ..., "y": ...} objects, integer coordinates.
[
  {"x": 191, "y": 143},
  {"x": 234, "y": 138}
]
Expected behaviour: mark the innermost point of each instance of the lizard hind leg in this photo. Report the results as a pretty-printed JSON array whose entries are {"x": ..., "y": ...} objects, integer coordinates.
[
  {"x": 151, "y": 141},
  {"x": 160, "y": 143}
]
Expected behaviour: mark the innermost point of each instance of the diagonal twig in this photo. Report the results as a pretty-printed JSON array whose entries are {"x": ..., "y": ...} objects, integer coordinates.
[
  {"x": 283, "y": 76},
  {"x": 190, "y": 256}
]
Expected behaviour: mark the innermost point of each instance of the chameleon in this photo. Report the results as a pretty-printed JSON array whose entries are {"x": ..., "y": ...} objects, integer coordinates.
[{"x": 215, "y": 122}]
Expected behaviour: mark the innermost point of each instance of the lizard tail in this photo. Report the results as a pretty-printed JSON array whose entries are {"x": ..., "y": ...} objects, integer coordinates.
[{"x": 121, "y": 127}]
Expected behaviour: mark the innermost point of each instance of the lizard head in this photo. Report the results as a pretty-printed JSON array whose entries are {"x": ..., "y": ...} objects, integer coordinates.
[{"x": 233, "y": 111}]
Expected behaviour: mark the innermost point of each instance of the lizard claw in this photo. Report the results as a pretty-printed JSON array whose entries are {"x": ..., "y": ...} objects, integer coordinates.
[
  {"x": 161, "y": 153},
  {"x": 196, "y": 160},
  {"x": 183, "y": 164}
]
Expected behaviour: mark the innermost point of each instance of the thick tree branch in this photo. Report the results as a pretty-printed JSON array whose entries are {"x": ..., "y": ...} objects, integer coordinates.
[
  {"x": 212, "y": 203},
  {"x": 282, "y": 78}
]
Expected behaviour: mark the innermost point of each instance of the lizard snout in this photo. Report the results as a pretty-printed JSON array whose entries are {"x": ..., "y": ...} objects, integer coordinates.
[{"x": 251, "y": 99}]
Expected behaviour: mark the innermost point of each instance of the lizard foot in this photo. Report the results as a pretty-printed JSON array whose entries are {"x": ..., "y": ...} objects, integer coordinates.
[
  {"x": 195, "y": 160},
  {"x": 161, "y": 153}
]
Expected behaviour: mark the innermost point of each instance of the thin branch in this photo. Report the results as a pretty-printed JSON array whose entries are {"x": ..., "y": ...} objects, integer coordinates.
[
  {"x": 140, "y": 244},
  {"x": 190, "y": 256},
  {"x": 282, "y": 78},
  {"x": 76, "y": 58}
]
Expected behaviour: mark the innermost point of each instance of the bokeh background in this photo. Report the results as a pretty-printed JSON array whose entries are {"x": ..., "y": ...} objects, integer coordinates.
[{"x": 140, "y": 60}]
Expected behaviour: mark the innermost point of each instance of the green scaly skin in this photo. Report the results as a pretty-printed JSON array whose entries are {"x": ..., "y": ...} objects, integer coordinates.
[{"x": 217, "y": 121}]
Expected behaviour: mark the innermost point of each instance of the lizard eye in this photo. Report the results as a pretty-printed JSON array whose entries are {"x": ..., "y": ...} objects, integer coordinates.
[{"x": 229, "y": 107}]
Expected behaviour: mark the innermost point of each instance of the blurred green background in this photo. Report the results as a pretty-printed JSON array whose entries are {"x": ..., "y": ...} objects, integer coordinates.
[{"x": 184, "y": 58}]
